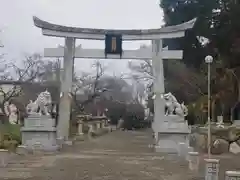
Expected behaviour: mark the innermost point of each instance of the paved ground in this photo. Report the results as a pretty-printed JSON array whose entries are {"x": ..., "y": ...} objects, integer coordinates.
[{"x": 115, "y": 156}]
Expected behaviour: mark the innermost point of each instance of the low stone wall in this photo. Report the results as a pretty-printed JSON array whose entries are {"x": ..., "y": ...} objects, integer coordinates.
[
  {"x": 221, "y": 138},
  {"x": 91, "y": 126}
]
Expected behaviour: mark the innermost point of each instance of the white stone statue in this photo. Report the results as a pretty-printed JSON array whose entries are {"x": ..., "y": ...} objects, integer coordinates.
[
  {"x": 41, "y": 105},
  {"x": 11, "y": 112},
  {"x": 32, "y": 107},
  {"x": 170, "y": 103},
  {"x": 181, "y": 110},
  {"x": 13, "y": 117},
  {"x": 173, "y": 106}
]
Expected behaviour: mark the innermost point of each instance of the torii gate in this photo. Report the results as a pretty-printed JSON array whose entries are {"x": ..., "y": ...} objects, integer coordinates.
[{"x": 69, "y": 52}]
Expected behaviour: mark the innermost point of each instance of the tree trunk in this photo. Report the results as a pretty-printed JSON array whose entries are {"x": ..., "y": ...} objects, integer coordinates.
[
  {"x": 4, "y": 117},
  {"x": 238, "y": 112}
]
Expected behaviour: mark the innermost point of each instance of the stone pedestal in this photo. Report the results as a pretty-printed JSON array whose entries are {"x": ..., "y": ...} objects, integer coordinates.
[
  {"x": 212, "y": 169},
  {"x": 39, "y": 133},
  {"x": 232, "y": 175},
  {"x": 169, "y": 133}
]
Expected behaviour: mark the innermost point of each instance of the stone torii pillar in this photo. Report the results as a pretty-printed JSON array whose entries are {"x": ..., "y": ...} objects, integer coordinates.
[
  {"x": 66, "y": 88},
  {"x": 158, "y": 84}
]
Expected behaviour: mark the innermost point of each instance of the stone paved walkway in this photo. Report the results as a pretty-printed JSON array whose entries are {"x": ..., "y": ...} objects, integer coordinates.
[{"x": 116, "y": 156}]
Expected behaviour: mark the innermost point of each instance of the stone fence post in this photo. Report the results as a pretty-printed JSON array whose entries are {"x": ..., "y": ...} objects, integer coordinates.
[
  {"x": 103, "y": 123},
  {"x": 232, "y": 175},
  {"x": 98, "y": 124},
  {"x": 193, "y": 160},
  {"x": 212, "y": 169},
  {"x": 4, "y": 155},
  {"x": 80, "y": 128},
  {"x": 91, "y": 128}
]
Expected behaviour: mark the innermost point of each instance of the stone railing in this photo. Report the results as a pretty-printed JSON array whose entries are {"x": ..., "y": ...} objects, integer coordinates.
[{"x": 91, "y": 125}]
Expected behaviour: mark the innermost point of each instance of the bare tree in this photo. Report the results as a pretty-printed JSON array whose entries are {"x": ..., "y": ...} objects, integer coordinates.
[
  {"x": 52, "y": 71},
  {"x": 1, "y": 54},
  {"x": 193, "y": 82},
  {"x": 142, "y": 71},
  {"x": 177, "y": 74},
  {"x": 88, "y": 83},
  {"x": 13, "y": 75},
  {"x": 1, "y": 45}
]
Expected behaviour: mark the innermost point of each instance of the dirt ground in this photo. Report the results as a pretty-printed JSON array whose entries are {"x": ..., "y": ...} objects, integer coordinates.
[{"x": 115, "y": 156}]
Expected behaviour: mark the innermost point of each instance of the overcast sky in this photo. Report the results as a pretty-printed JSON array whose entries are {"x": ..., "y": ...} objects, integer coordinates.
[{"x": 20, "y": 36}]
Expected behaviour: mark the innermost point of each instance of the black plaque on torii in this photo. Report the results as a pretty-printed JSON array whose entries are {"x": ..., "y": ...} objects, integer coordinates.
[{"x": 113, "y": 44}]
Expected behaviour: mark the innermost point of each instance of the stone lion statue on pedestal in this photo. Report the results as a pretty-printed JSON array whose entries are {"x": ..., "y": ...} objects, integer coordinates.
[
  {"x": 173, "y": 107},
  {"x": 42, "y": 105}
]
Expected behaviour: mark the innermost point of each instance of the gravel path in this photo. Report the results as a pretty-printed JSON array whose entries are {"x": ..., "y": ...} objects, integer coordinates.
[{"x": 116, "y": 156}]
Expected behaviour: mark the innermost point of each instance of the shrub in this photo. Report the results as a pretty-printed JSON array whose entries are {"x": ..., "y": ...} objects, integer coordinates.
[{"x": 9, "y": 132}]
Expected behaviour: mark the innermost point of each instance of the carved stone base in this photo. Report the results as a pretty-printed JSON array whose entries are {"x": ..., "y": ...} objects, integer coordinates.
[
  {"x": 38, "y": 134},
  {"x": 41, "y": 140},
  {"x": 36, "y": 120},
  {"x": 169, "y": 142},
  {"x": 172, "y": 131}
]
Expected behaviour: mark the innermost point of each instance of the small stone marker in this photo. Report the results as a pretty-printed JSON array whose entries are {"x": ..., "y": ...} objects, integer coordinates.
[
  {"x": 232, "y": 175},
  {"x": 4, "y": 157},
  {"x": 212, "y": 169},
  {"x": 193, "y": 161}
]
